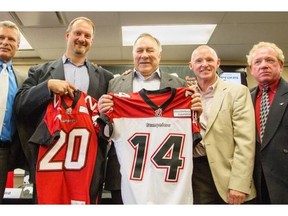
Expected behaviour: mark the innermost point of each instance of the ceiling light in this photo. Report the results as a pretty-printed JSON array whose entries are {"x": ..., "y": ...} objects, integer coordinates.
[
  {"x": 24, "y": 44},
  {"x": 170, "y": 34}
]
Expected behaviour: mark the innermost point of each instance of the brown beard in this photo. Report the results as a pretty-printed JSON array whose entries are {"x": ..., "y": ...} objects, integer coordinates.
[{"x": 80, "y": 51}]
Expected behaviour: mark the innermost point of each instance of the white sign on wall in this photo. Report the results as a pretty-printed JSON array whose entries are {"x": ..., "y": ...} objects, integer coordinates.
[{"x": 231, "y": 76}]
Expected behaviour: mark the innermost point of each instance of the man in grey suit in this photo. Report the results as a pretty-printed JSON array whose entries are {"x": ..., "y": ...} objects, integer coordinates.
[
  {"x": 63, "y": 76},
  {"x": 147, "y": 74},
  {"x": 11, "y": 154},
  {"x": 266, "y": 63}
]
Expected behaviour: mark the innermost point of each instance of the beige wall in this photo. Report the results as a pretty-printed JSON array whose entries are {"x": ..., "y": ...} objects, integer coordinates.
[
  {"x": 251, "y": 81},
  {"x": 22, "y": 68}
]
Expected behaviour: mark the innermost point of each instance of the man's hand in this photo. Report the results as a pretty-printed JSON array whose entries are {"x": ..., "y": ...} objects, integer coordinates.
[
  {"x": 105, "y": 103},
  {"x": 236, "y": 197},
  {"x": 61, "y": 87},
  {"x": 196, "y": 103},
  {"x": 190, "y": 81},
  {"x": 127, "y": 72}
]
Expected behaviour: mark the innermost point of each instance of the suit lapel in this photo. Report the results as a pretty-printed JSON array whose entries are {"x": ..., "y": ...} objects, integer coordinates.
[
  {"x": 253, "y": 96},
  {"x": 127, "y": 83},
  {"x": 93, "y": 80},
  {"x": 276, "y": 112},
  {"x": 216, "y": 104},
  {"x": 20, "y": 78},
  {"x": 165, "y": 80},
  {"x": 57, "y": 70}
]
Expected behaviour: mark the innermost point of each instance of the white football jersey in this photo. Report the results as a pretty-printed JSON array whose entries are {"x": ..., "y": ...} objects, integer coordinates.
[{"x": 154, "y": 144}]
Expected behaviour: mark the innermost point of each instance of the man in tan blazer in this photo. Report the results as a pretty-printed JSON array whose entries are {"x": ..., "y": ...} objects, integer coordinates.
[{"x": 224, "y": 160}]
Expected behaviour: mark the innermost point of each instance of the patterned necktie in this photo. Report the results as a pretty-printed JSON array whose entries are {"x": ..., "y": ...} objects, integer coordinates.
[
  {"x": 264, "y": 110},
  {"x": 4, "y": 85}
]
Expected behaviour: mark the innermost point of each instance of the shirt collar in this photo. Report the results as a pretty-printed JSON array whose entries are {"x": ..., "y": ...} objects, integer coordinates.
[
  {"x": 210, "y": 88},
  {"x": 67, "y": 60},
  {"x": 153, "y": 75},
  {"x": 9, "y": 64},
  {"x": 272, "y": 87}
]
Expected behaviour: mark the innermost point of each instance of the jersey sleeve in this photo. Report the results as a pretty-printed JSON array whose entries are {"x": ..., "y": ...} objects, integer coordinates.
[
  {"x": 106, "y": 126},
  {"x": 49, "y": 128}
]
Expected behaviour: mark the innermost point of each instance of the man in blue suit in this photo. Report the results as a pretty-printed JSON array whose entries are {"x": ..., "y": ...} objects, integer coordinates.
[
  {"x": 11, "y": 154},
  {"x": 266, "y": 63}
]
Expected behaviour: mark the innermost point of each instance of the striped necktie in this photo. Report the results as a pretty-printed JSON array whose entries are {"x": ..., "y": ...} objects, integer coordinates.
[
  {"x": 264, "y": 110},
  {"x": 4, "y": 85}
]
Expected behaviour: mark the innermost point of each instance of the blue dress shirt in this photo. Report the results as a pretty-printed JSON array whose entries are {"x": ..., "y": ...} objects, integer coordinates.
[{"x": 8, "y": 128}]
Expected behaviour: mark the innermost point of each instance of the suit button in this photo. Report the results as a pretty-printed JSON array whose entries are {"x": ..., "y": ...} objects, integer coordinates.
[{"x": 285, "y": 151}]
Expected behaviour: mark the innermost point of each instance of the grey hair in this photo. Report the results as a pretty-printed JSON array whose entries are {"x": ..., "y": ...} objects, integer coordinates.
[
  {"x": 279, "y": 52},
  {"x": 150, "y": 36},
  {"x": 11, "y": 25}
]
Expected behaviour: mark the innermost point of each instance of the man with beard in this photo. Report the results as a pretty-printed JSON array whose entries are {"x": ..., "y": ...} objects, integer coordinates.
[{"x": 63, "y": 76}]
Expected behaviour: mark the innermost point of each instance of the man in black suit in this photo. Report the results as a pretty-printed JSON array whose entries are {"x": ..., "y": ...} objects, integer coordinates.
[
  {"x": 63, "y": 76},
  {"x": 266, "y": 63}
]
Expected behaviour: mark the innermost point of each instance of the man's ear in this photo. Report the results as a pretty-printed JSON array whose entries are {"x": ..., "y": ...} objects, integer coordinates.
[
  {"x": 218, "y": 62},
  {"x": 190, "y": 65},
  {"x": 67, "y": 35}
]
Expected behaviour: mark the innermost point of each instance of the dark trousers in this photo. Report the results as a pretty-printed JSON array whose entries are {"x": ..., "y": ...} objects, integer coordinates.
[
  {"x": 116, "y": 197},
  {"x": 204, "y": 189},
  {"x": 113, "y": 177},
  {"x": 4, "y": 152},
  {"x": 264, "y": 194}
]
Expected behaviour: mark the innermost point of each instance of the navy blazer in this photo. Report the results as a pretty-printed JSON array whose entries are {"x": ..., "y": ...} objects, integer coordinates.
[{"x": 272, "y": 154}]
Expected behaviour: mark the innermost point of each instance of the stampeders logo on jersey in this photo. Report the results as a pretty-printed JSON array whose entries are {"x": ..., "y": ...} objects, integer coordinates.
[
  {"x": 69, "y": 110},
  {"x": 158, "y": 112}
]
